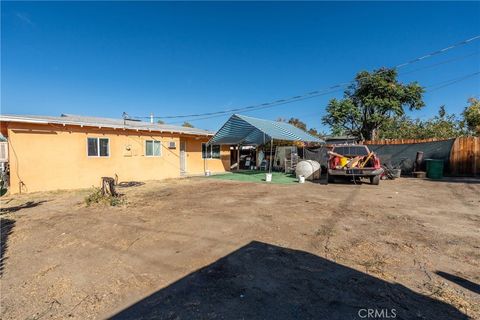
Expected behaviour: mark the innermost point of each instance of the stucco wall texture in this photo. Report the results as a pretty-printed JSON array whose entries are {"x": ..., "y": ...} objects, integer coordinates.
[{"x": 50, "y": 157}]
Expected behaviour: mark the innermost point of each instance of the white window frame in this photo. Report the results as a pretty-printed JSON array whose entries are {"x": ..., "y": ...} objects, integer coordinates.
[
  {"x": 152, "y": 140},
  {"x": 211, "y": 152},
  {"x": 98, "y": 147}
]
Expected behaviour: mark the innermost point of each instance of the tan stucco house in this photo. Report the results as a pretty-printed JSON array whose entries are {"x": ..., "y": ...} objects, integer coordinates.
[{"x": 70, "y": 151}]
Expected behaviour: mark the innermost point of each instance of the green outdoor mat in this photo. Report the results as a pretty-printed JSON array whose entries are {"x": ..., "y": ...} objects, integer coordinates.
[{"x": 256, "y": 176}]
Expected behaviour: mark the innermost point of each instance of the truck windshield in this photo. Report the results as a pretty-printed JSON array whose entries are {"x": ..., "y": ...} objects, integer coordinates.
[{"x": 351, "y": 150}]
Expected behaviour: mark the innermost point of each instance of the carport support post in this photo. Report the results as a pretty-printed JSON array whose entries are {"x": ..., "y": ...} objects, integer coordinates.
[
  {"x": 271, "y": 150},
  {"x": 205, "y": 162},
  {"x": 238, "y": 157}
]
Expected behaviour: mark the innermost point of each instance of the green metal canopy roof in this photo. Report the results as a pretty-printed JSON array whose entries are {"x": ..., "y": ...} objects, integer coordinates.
[{"x": 245, "y": 130}]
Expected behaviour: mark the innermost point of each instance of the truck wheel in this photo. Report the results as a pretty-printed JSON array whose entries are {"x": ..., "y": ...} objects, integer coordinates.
[{"x": 375, "y": 180}]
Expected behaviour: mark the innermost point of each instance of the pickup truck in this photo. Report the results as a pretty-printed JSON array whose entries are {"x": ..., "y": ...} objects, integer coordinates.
[{"x": 353, "y": 161}]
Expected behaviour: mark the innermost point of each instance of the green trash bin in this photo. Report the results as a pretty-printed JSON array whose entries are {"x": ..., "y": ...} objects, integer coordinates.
[{"x": 434, "y": 168}]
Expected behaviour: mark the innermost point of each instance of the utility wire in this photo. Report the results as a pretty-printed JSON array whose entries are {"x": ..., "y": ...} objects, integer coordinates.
[
  {"x": 453, "y": 81},
  {"x": 262, "y": 107},
  {"x": 317, "y": 95},
  {"x": 441, "y": 63},
  {"x": 458, "y": 44},
  {"x": 316, "y": 92},
  {"x": 308, "y": 95},
  {"x": 435, "y": 87}
]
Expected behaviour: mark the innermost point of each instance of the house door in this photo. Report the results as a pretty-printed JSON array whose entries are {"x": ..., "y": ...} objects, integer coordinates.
[{"x": 183, "y": 157}]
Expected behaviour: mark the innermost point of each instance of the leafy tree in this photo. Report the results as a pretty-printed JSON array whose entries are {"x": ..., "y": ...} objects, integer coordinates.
[
  {"x": 298, "y": 123},
  {"x": 471, "y": 116},
  {"x": 442, "y": 112},
  {"x": 443, "y": 125},
  {"x": 187, "y": 124},
  {"x": 373, "y": 99},
  {"x": 160, "y": 121},
  {"x": 402, "y": 127},
  {"x": 446, "y": 126},
  {"x": 301, "y": 125},
  {"x": 313, "y": 132}
]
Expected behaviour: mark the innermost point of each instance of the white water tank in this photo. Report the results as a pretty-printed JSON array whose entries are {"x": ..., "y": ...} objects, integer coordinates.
[{"x": 309, "y": 169}]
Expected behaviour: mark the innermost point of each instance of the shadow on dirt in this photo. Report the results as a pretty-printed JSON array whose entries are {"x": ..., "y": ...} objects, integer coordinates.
[
  {"x": 263, "y": 281},
  {"x": 467, "y": 284},
  {"x": 6, "y": 227},
  {"x": 26, "y": 205}
]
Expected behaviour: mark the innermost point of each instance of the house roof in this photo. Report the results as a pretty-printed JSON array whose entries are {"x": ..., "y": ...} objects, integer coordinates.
[
  {"x": 69, "y": 119},
  {"x": 245, "y": 130}
]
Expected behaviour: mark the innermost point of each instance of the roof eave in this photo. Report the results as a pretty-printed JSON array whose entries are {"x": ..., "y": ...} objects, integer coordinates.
[{"x": 98, "y": 125}]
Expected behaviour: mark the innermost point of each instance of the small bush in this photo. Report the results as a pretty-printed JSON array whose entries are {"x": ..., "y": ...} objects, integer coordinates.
[
  {"x": 96, "y": 197},
  {"x": 117, "y": 201}
]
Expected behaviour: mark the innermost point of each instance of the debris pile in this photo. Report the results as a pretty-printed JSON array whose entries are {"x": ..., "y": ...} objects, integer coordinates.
[
  {"x": 390, "y": 172},
  {"x": 345, "y": 162}
]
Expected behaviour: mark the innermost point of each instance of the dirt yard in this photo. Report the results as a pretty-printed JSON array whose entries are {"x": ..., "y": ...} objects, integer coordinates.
[{"x": 210, "y": 249}]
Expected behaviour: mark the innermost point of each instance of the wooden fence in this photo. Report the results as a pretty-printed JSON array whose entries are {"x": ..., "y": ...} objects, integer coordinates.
[
  {"x": 403, "y": 141},
  {"x": 464, "y": 155}
]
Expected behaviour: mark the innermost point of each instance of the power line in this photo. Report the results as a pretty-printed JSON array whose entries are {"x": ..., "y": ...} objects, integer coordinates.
[
  {"x": 447, "y": 83},
  {"x": 312, "y": 93},
  {"x": 458, "y": 44},
  {"x": 308, "y": 95},
  {"x": 262, "y": 107},
  {"x": 314, "y": 96},
  {"x": 441, "y": 63},
  {"x": 435, "y": 87}
]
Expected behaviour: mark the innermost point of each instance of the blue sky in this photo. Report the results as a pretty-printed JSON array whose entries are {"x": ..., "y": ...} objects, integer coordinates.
[{"x": 104, "y": 58}]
